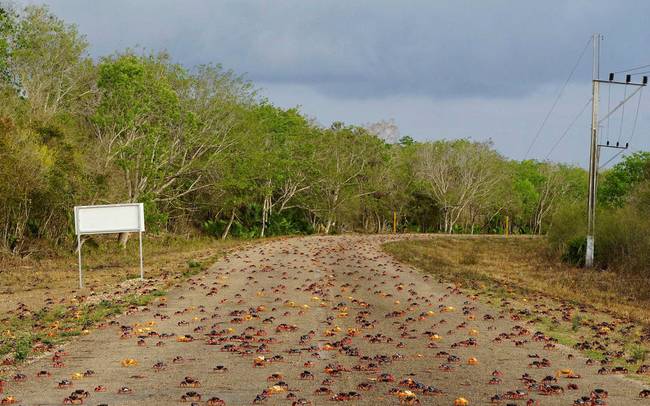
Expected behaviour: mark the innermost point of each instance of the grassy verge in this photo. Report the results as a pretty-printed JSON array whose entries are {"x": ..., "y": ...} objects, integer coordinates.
[
  {"x": 572, "y": 305},
  {"x": 524, "y": 263},
  {"x": 41, "y": 305},
  {"x": 27, "y": 334},
  {"x": 104, "y": 263}
]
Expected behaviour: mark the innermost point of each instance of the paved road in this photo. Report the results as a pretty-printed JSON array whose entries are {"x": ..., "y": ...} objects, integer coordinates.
[{"x": 335, "y": 310}]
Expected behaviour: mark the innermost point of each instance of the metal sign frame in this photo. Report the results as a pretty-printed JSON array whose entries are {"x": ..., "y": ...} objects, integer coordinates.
[{"x": 139, "y": 228}]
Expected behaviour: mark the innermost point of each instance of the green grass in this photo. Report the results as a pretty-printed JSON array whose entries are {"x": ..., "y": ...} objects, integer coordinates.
[
  {"x": 576, "y": 321},
  {"x": 637, "y": 353},
  {"x": 139, "y": 300},
  {"x": 194, "y": 268},
  {"x": 21, "y": 333}
]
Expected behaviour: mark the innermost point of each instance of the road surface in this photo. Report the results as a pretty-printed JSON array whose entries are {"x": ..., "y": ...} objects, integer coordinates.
[{"x": 328, "y": 316}]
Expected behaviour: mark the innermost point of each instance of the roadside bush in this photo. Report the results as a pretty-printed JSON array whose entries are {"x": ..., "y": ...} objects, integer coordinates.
[
  {"x": 622, "y": 235},
  {"x": 568, "y": 226},
  {"x": 575, "y": 250}
]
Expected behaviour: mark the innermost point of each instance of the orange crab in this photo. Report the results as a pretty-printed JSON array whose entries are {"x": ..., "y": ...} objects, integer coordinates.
[{"x": 129, "y": 362}]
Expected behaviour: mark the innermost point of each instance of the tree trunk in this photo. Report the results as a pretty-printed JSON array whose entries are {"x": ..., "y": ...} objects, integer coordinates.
[
  {"x": 266, "y": 209},
  {"x": 379, "y": 225},
  {"x": 227, "y": 230},
  {"x": 447, "y": 228},
  {"x": 329, "y": 225},
  {"x": 314, "y": 222},
  {"x": 122, "y": 239}
]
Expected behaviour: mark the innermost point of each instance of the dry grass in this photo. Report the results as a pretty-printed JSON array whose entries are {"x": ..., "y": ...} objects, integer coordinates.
[
  {"x": 518, "y": 274},
  {"x": 105, "y": 266},
  {"x": 524, "y": 263}
]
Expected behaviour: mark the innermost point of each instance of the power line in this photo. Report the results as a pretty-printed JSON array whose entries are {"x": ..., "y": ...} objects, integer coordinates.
[
  {"x": 609, "y": 106},
  {"x": 633, "y": 69},
  {"x": 636, "y": 116},
  {"x": 557, "y": 99},
  {"x": 568, "y": 129},
  {"x": 619, "y": 105},
  {"x": 620, "y": 131},
  {"x": 611, "y": 159},
  {"x": 641, "y": 73}
]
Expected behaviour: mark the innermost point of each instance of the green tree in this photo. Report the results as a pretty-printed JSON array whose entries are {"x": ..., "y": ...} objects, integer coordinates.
[
  {"x": 619, "y": 182},
  {"x": 7, "y": 32},
  {"x": 49, "y": 63},
  {"x": 345, "y": 156},
  {"x": 458, "y": 174},
  {"x": 161, "y": 127}
]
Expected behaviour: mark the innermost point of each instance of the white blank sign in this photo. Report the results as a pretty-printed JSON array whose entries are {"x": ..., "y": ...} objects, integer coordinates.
[{"x": 110, "y": 218}]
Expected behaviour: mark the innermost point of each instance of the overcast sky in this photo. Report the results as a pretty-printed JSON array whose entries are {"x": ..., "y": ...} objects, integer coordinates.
[{"x": 482, "y": 69}]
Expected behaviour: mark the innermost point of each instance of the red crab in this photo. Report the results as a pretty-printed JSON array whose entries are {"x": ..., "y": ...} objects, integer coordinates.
[
  {"x": 189, "y": 382},
  {"x": 191, "y": 397},
  {"x": 346, "y": 396},
  {"x": 323, "y": 391}
]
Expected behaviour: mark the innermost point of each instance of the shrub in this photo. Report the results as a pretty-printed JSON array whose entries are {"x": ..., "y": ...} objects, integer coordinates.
[
  {"x": 568, "y": 224},
  {"x": 622, "y": 235},
  {"x": 575, "y": 250}
]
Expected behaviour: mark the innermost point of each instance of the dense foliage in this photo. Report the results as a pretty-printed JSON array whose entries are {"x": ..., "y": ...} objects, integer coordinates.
[
  {"x": 206, "y": 153},
  {"x": 622, "y": 220}
]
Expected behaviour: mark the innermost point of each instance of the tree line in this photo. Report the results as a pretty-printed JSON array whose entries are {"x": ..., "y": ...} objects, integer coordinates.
[{"x": 206, "y": 153}]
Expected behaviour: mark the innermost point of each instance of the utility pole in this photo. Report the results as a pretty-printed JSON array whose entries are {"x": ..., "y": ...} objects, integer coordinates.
[
  {"x": 593, "y": 153},
  {"x": 594, "y": 150}
]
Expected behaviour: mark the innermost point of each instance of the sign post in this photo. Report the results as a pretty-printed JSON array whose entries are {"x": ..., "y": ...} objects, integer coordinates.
[{"x": 109, "y": 219}]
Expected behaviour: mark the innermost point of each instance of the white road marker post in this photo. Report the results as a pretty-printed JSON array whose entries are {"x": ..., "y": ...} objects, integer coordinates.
[
  {"x": 81, "y": 281},
  {"x": 141, "y": 263}
]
